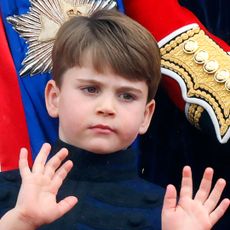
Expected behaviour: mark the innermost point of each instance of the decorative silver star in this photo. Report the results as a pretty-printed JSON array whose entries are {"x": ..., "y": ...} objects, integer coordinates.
[{"x": 40, "y": 25}]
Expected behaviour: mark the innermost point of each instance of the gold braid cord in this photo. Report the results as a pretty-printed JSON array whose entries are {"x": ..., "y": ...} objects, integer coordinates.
[
  {"x": 194, "y": 114},
  {"x": 205, "y": 69}
]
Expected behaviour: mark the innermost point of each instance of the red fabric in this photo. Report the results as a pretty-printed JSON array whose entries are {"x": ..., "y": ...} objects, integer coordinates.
[
  {"x": 13, "y": 128},
  {"x": 162, "y": 18}
]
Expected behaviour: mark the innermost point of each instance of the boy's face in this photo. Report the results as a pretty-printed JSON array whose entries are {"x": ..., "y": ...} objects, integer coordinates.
[{"x": 102, "y": 113}]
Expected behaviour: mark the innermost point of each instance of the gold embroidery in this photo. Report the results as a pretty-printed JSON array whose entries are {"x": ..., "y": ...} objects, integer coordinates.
[{"x": 201, "y": 73}]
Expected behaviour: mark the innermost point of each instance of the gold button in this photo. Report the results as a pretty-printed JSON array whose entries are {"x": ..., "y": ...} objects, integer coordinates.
[
  {"x": 227, "y": 84},
  {"x": 222, "y": 75},
  {"x": 190, "y": 46},
  {"x": 211, "y": 66},
  {"x": 201, "y": 56}
]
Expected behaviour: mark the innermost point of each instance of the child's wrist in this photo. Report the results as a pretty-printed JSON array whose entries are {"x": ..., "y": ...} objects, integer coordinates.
[{"x": 21, "y": 219}]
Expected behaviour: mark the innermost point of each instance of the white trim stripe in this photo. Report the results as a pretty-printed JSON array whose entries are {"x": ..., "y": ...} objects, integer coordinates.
[
  {"x": 177, "y": 32},
  {"x": 200, "y": 102}
]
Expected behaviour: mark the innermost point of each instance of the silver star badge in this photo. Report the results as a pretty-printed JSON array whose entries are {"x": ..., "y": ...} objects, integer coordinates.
[{"x": 40, "y": 25}]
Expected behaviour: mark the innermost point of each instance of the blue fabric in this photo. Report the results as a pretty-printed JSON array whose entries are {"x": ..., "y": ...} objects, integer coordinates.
[
  {"x": 40, "y": 126},
  {"x": 120, "y": 6}
]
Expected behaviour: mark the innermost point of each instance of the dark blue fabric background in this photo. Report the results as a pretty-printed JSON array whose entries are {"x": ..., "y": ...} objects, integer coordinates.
[
  {"x": 171, "y": 141},
  {"x": 214, "y": 14}
]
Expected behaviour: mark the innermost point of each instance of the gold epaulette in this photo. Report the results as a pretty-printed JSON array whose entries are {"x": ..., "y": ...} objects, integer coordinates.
[{"x": 204, "y": 68}]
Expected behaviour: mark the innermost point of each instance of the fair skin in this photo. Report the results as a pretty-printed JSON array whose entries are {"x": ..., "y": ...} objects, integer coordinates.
[
  {"x": 36, "y": 204},
  {"x": 200, "y": 212},
  {"x": 96, "y": 110},
  {"x": 96, "y": 113}
]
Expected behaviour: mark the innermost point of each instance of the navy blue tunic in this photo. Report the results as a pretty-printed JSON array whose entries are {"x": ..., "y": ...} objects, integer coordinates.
[{"x": 111, "y": 194}]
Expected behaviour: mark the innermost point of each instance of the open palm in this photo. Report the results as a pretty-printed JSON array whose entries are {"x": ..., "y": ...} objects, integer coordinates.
[
  {"x": 198, "y": 213},
  {"x": 37, "y": 196}
]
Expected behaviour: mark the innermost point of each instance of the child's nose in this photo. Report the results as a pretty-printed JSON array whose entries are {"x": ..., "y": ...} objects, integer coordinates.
[{"x": 106, "y": 106}]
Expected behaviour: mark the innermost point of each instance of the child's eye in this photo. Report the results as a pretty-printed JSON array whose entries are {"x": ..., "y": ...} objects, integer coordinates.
[
  {"x": 90, "y": 90},
  {"x": 127, "y": 97}
]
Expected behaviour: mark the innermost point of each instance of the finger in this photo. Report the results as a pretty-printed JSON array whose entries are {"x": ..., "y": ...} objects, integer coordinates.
[
  {"x": 23, "y": 163},
  {"x": 215, "y": 195},
  {"x": 38, "y": 166},
  {"x": 52, "y": 165},
  {"x": 205, "y": 186},
  {"x": 66, "y": 204},
  {"x": 219, "y": 211},
  {"x": 60, "y": 175},
  {"x": 170, "y": 198},
  {"x": 186, "y": 184}
]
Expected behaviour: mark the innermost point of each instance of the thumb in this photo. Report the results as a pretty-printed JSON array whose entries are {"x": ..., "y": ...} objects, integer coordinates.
[{"x": 66, "y": 204}]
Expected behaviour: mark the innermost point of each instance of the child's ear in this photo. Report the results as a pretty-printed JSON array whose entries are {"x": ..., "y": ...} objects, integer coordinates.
[
  {"x": 149, "y": 110},
  {"x": 52, "y": 97}
]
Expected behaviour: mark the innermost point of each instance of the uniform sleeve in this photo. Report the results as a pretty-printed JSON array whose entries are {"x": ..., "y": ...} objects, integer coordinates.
[{"x": 195, "y": 63}]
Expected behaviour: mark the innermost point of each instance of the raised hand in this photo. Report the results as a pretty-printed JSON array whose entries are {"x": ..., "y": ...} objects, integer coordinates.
[
  {"x": 198, "y": 213},
  {"x": 36, "y": 204}
]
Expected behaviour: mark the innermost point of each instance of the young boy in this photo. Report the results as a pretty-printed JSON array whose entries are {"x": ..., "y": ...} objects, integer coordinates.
[{"x": 106, "y": 70}]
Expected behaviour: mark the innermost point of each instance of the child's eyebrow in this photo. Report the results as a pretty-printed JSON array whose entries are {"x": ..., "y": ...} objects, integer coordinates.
[
  {"x": 130, "y": 89},
  {"x": 119, "y": 88},
  {"x": 91, "y": 81}
]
